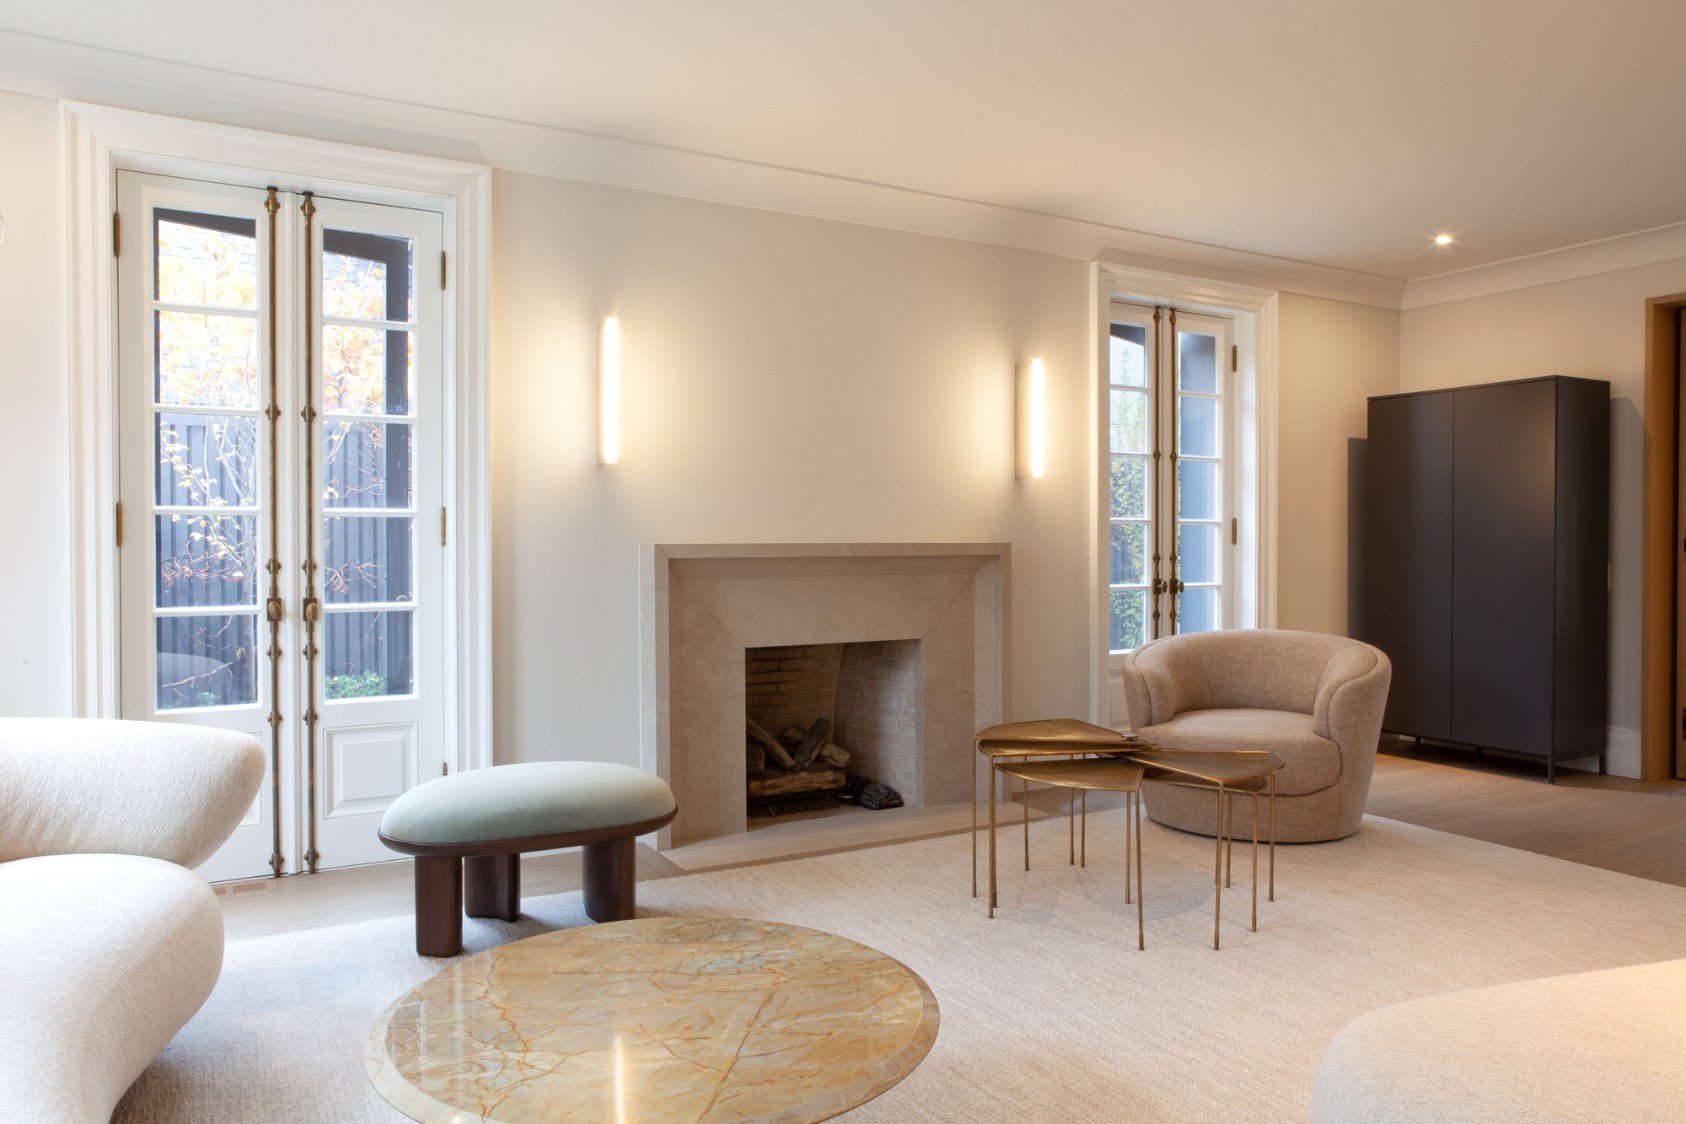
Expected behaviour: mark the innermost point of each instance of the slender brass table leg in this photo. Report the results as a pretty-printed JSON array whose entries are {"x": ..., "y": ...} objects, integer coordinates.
[
  {"x": 1071, "y": 820},
  {"x": 1083, "y": 844},
  {"x": 1255, "y": 861},
  {"x": 1127, "y": 844},
  {"x": 1272, "y": 895},
  {"x": 1024, "y": 794},
  {"x": 1218, "y": 872},
  {"x": 1141, "y": 887},
  {"x": 974, "y": 819},
  {"x": 992, "y": 782},
  {"x": 1229, "y": 834}
]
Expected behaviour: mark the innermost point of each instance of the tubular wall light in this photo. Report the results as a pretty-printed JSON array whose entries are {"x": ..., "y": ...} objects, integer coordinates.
[
  {"x": 1032, "y": 420},
  {"x": 609, "y": 392}
]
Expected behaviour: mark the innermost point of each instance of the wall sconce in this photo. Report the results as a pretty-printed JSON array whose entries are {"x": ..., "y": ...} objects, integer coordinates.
[
  {"x": 1032, "y": 420},
  {"x": 609, "y": 392}
]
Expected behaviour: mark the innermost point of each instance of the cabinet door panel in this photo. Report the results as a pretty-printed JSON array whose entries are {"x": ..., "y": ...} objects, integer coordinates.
[
  {"x": 1408, "y": 557},
  {"x": 1504, "y": 530}
]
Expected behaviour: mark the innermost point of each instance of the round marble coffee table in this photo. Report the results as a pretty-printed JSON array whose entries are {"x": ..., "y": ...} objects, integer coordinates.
[{"x": 660, "y": 1018}]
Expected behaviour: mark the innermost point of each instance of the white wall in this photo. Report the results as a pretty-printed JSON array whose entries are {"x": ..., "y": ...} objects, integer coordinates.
[
  {"x": 1593, "y": 327},
  {"x": 1333, "y": 355},
  {"x": 35, "y": 568},
  {"x": 787, "y": 378}
]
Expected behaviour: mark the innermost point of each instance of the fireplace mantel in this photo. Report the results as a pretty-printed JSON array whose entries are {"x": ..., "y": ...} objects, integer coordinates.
[{"x": 704, "y": 604}]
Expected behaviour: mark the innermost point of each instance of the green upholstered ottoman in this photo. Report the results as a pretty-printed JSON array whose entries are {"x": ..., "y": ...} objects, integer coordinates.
[{"x": 487, "y": 817}]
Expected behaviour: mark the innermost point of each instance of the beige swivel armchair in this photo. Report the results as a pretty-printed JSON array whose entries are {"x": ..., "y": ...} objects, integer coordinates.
[{"x": 1314, "y": 700}]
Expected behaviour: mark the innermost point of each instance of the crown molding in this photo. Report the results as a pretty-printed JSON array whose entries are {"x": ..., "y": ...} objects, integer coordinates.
[
  {"x": 73, "y": 72},
  {"x": 1588, "y": 259}
]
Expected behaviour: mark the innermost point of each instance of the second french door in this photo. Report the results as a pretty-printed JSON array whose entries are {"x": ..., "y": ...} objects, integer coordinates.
[
  {"x": 281, "y": 555},
  {"x": 1171, "y": 498}
]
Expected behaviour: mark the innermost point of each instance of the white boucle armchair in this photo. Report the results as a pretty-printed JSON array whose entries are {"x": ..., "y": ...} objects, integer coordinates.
[
  {"x": 1315, "y": 700},
  {"x": 108, "y": 942}
]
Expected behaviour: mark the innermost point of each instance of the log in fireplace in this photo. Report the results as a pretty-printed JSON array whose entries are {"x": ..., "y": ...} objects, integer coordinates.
[{"x": 832, "y": 723}]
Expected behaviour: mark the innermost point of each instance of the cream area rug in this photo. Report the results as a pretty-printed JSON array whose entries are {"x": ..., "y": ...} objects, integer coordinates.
[{"x": 1048, "y": 1012}]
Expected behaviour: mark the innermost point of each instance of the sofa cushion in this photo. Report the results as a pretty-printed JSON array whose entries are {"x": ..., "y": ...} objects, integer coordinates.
[
  {"x": 1591, "y": 1046},
  {"x": 102, "y": 959},
  {"x": 526, "y": 802},
  {"x": 1310, "y": 763}
]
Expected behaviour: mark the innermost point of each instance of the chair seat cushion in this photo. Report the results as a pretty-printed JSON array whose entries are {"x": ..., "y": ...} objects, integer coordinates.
[
  {"x": 526, "y": 801},
  {"x": 1592, "y": 1046},
  {"x": 102, "y": 959},
  {"x": 1310, "y": 763}
]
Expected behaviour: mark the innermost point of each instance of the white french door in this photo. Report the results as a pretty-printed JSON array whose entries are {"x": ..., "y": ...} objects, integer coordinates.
[
  {"x": 281, "y": 438},
  {"x": 1171, "y": 496}
]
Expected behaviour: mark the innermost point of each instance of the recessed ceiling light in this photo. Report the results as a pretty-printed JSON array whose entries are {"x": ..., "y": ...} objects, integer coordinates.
[{"x": 1442, "y": 239}]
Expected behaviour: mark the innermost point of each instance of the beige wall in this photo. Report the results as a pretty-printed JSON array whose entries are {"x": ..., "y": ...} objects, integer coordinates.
[
  {"x": 1332, "y": 357},
  {"x": 1592, "y": 327},
  {"x": 35, "y": 566},
  {"x": 786, "y": 379}
]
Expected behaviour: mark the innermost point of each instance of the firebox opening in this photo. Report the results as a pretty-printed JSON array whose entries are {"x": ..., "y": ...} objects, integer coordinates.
[{"x": 832, "y": 727}]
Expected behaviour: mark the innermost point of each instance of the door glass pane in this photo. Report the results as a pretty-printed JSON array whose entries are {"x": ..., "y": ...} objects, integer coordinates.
[
  {"x": 1197, "y": 363},
  {"x": 1198, "y": 426},
  {"x": 368, "y": 654},
  {"x": 1129, "y": 619},
  {"x": 368, "y": 276},
  {"x": 355, "y": 288},
  {"x": 207, "y": 661},
  {"x": 1129, "y": 355},
  {"x": 1197, "y": 552},
  {"x": 1129, "y": 487},
  {"x": 206, "y": 559},
  {"x": 368, "y": 558},
  {"x": 205, "y": 259},
  {"x": 205, "y": 359},
  {"x": 1197, "y": 610},
  {"x": 206, "y": 460},
  {"x": 1130, "y": 431},
  {"x": 1129, "y": 553},
  {"x": 368, "y": 464},
  {"x": 367, "y": 370},
  {"x": 1197, "y": 489}
]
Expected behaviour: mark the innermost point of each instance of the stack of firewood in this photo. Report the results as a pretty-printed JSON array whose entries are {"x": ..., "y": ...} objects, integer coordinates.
[{"x": 797, "y": 761}]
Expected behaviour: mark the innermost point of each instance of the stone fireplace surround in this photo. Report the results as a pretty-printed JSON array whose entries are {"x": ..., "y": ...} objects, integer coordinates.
[{"x": 704, "y": 605}]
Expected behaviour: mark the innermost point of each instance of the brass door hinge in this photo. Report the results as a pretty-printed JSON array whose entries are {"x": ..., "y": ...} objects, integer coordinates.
[
  {"x": 441, "y": 270},
  {"x": 119, "y": 524},
  {"x": 444, "y": 768},
  {"x": 441, "y": 526},
  {"x": 1234, "y": 357},
  {"x": 1234, "y": 531},
  {"x": 116, "y": 235}
]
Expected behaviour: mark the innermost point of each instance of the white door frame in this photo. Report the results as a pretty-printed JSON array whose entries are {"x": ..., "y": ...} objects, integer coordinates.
[
  {"x": 98, "y": 141},
  {"x": 1254, "y": 312}
]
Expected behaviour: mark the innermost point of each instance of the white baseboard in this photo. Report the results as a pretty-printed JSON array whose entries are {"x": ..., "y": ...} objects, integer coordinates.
[{"x": 1622, "y": 751}]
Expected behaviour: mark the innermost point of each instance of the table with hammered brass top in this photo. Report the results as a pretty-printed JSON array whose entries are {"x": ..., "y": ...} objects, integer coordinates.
[{"x": 656, "y": 1019}]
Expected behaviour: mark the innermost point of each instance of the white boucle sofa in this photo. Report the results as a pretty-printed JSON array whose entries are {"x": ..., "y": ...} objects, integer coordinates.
[
  {"x": 108, "y": 942},
  {"x": 1595, "y": 1046}
]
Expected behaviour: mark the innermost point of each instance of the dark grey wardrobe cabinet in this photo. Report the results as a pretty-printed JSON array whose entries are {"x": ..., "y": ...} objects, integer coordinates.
[{"x": 1485, "y": 562}]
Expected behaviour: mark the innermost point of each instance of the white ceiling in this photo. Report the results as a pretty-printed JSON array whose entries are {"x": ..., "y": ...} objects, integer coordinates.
[{"x": 1338, "y": 132}]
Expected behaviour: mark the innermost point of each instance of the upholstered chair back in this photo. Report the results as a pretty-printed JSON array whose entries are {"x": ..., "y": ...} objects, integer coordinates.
[{"x": 1264, "y": 669}]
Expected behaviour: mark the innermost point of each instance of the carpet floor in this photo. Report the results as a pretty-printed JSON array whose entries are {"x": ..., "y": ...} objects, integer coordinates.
[{"x": 1048, "y": 1012}]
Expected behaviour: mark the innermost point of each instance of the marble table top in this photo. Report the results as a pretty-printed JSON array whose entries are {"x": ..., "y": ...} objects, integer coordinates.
[{"x": 656, "y": 1019}]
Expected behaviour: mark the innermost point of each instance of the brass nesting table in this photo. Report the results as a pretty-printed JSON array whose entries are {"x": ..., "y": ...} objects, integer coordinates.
[{"x": 1067, "y": 753}]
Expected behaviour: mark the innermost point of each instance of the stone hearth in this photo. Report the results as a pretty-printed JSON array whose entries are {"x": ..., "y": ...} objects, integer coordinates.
[{"x": 705, "y": 605}]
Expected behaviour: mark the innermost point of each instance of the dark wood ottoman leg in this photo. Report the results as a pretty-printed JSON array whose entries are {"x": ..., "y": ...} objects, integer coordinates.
[
  {"x": 438, "y": 905},
  {"x": 492, "y": 886},
  {"x": 611, "y": 883}
]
